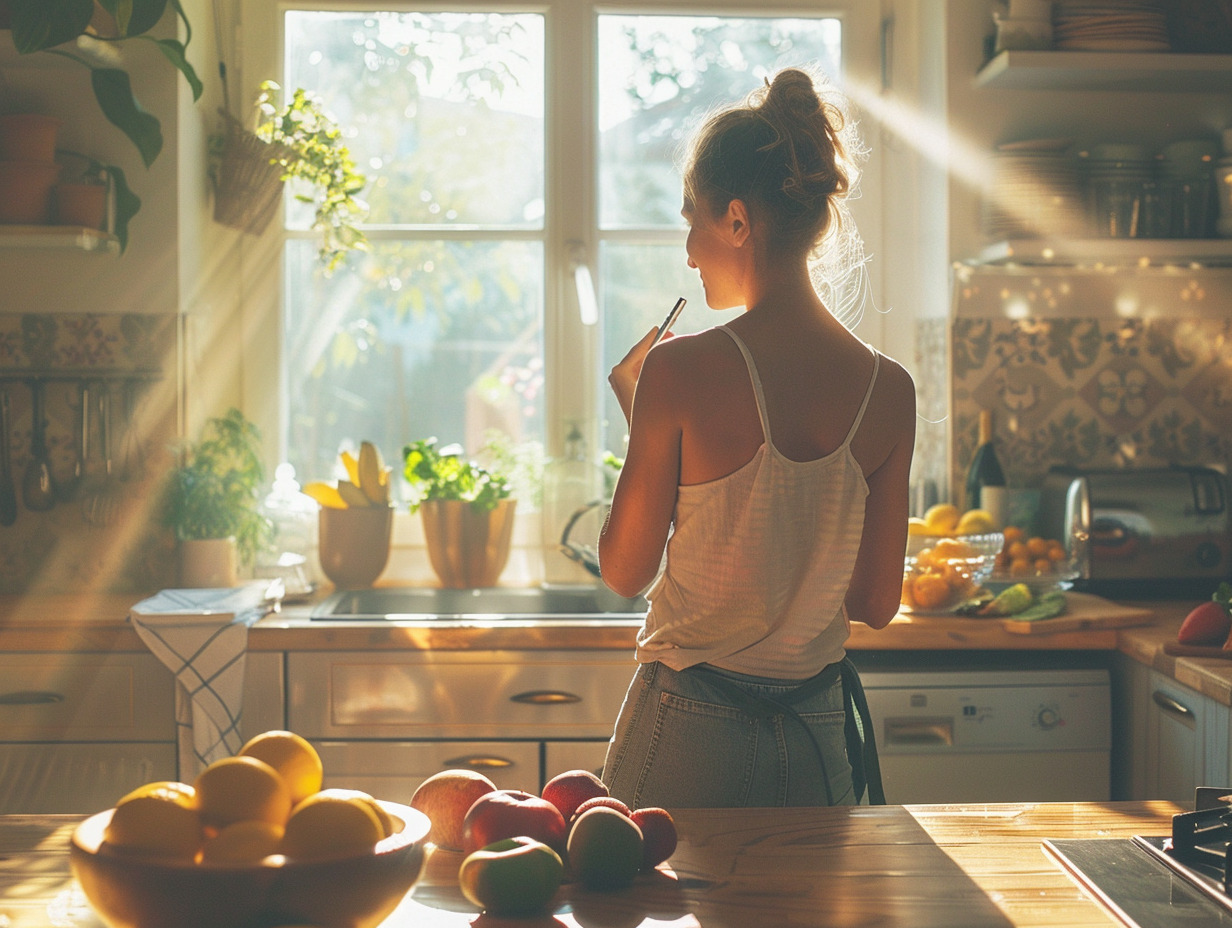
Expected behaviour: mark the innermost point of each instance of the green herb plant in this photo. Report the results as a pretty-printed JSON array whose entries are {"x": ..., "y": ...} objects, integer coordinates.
[
  {"x": 322, "y": 160},
  {"x": 214, "y": 493},
  {"x": 445, "y": 473}
]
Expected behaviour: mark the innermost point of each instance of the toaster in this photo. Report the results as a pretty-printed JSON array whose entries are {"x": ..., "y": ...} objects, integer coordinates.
[{"x": 1141, "y": 532}]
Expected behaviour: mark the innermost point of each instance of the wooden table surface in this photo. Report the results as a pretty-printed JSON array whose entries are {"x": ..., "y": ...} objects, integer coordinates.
[{"x": 936, "y": 866}]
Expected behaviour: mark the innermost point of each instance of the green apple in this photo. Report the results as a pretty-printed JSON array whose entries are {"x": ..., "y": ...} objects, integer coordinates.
[
  {"x": 513, "y": 876},
  {"x": 605, "y": 849}
]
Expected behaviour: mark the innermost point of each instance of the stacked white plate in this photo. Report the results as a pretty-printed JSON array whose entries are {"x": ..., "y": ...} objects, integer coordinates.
[
  {"x": 1110, "y": 25},
  {"x": 1036, "y": 191}
]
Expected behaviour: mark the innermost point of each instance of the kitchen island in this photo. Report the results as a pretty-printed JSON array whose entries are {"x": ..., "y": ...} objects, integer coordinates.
[{"x": 934, "y": 866}]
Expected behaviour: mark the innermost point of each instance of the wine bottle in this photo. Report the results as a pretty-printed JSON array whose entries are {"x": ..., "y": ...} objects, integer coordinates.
[{"x": 985, "y": 469}]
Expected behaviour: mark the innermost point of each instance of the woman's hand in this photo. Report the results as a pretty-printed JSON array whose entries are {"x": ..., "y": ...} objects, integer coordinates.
[{"x": 623, "y": 378}]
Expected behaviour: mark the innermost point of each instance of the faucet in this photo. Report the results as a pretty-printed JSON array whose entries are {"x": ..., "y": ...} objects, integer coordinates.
[{"x": 585, "y": 555}]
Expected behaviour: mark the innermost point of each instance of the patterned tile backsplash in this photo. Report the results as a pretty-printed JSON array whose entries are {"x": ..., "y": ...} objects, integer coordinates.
[
  {"x": 100, "y": 533},
  {"x": 1098, "y": 390}
]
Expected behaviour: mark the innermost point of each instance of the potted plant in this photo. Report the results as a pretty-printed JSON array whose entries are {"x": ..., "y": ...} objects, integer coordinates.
[
  {"x": 297, "y": 141},
  {"x": 49, "y": 25},
  {"x": 213, "y": 497},
  {"x": 467, "y": 513},
  {"x": 81, "y": 198}
]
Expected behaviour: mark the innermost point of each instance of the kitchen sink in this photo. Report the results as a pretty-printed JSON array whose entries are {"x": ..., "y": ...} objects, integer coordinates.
[{"x": 541, "y": 603}]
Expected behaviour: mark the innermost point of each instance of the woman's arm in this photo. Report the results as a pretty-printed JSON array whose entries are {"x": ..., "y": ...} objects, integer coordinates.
[
  {"x": 635, "y": 533},
  {"x": 876, "y": 582}
]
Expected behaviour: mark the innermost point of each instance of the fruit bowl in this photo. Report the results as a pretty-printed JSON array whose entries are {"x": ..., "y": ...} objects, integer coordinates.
[
  {"x": 939, "y": 572},
  {"x": 357, "y": 891}
]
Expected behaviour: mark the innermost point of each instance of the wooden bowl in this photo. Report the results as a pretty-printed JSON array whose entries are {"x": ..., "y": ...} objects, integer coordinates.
[{"x": 358, "y": 891}]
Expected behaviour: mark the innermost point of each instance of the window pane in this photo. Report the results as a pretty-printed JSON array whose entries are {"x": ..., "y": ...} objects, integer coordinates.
[
  {"x": 659, "y": 75},
  {"x": 444, "y": 111},
  {"x": 419, "y": 339},
  {"x": 639, "y": 284}
]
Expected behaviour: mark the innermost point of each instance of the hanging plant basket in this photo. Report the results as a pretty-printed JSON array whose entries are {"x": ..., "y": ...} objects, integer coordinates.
[{"x": 248, "y": 178}]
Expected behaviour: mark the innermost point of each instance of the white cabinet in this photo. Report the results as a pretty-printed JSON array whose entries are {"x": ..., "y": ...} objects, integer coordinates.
[
  {"x": 1186, "y": 741},
  {"x": 77, "y": 731},
  {"x": 393, "y": 718}
]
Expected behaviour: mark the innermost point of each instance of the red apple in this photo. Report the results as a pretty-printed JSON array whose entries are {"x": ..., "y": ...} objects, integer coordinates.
[
  {"x": 510, "y": 813},
  {"x": 445, "y": 798},
  {"x": 1208, "y": 624},
  {"x": 658, "y": 835},
  {"x": 570, "y": 789},
  {"x": 609, "y": 802}
]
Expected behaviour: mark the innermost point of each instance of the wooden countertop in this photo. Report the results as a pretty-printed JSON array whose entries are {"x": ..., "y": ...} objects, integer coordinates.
[{"x": 944, "y": 866}]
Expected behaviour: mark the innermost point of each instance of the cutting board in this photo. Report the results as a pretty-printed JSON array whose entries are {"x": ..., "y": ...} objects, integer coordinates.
[
  {"x": 1083, "y": 612},
  {"x": 1176, "y": 649}
]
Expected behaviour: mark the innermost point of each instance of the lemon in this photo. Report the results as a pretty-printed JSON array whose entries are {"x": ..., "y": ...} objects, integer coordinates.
[
  {"x": 158, "y": 818},
  {"x": 237, "y": 789},
  {"x": 975, "y": 522},
  {"x": 941, "y": 518},
  {"x": 917, "y": 526},
  {"x": 242, "y": 843},
  {"x": 332, "y": 823},
  {"x": 296, "y": 761}
]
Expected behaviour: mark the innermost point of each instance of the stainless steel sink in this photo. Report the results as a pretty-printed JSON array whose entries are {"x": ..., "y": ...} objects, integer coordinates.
[{"x": 547, "y": 603}]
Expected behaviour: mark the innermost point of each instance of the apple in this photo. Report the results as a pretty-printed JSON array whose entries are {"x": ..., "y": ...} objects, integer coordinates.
[
  {"x": 570, "y": 789},
  {"x": 610, "y": 802},
  {"x": 605, "y": 849},
  {"x": 513, "y": 876},
  {"x": 445, "y": 798},
  {"x": 509, "y": 813},
  {"x": 658, "y": 835},
  {"x": 1208, "y": 624}
]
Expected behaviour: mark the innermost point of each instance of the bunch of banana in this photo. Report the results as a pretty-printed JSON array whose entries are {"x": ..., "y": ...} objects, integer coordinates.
[{"x": 367, "y": 484}]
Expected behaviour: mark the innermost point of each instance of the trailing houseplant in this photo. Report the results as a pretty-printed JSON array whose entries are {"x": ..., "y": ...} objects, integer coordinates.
[
  {"x": 293, "y": 141},
  {"x": 49, "y": 25},
  {"x": 214, "y": 492},
  {"x": 111, "y": 179}
]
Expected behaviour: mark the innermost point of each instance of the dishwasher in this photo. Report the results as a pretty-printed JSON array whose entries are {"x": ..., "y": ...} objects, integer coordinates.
[{"x": 958, "y": 735}]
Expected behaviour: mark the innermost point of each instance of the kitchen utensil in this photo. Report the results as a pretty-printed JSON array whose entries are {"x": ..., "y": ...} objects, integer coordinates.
[
  {"x": 70, "y": 489},
  {"x": 8, "y": 494},
  {"x": 38, "y": 486},
  {"x": 99, "y": 504},
  {"x": 132, "y": 456}
]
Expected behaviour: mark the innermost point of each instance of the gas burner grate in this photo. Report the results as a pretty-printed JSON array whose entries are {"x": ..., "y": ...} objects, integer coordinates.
[{"x": 1201, "y": 838}]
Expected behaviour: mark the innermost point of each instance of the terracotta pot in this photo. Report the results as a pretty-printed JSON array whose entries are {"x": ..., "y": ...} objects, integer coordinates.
[
  {"x": 81, "y": 205},
  {"x": 25, "y": 191},
  {"x": 353, "y": 544},
  {"x": 468, "y": 547},
  {"x": 28, "y": 137},
  {"x": 208, "y": 563}
]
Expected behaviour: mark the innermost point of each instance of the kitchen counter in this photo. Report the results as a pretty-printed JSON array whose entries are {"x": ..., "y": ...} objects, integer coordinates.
[{"x": 955, "y": 866}]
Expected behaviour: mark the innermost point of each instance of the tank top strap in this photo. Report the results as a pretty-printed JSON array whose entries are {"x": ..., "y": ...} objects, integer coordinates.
[
  {"x": 755, "y": 379},
  {"x": 868, "y": 394}
]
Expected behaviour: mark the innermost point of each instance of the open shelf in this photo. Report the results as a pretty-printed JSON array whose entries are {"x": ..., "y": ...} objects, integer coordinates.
[
  {"x": 1117, "y": 71},
  {"x": 65, "y": 238},
  {"x": 1111, "y": 252}
]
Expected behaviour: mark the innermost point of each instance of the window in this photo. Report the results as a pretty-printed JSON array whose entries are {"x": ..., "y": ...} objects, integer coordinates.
[{"x": 524, "y": 207}]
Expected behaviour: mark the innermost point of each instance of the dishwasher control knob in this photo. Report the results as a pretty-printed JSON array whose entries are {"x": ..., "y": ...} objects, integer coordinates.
[{"x": 1048, "y": 718}]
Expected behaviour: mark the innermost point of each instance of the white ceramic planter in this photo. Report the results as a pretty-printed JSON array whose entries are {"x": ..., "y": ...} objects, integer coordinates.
[{"x": 208, "y": 563}]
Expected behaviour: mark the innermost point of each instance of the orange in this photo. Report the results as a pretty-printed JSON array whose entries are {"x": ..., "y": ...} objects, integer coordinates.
[
  {"x": 1012, "y": 533},
  {"x": 1037, "y": 547},
  {"x": 292, "y": 756},
  {"x": 332, "y": 823},
  {"x": 948, "y": 549},
  {"x": 237, "y": 789},
  {"x": 930, "y": 591},
  {"x": 158, "y": 818},
  {"x": 242, "y": 842}
]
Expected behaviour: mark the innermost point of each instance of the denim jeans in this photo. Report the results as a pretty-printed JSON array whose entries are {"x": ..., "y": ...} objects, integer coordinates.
[{"x": 681, "y": 743}]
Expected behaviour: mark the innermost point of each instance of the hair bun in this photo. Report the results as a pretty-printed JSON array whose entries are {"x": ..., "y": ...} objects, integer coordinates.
[{"x": 793, "y": 92}]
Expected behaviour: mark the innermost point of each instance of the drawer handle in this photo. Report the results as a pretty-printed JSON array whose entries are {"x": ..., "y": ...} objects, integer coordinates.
[
  {"x": 545, "y": 697},
  {"x": 1170, "y": 705},
  {"x": 30, "y": 698},
  {"x": 914, "y": 731},
  {"x": 479, "y": 762}
]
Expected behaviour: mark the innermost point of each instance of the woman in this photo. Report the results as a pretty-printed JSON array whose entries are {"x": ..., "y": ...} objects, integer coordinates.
[{"x": 775, "y": 452}]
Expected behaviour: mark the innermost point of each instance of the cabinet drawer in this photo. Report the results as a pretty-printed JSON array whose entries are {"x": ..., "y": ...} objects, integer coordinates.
[
  {"x": 79, "y": 778},
  {"x": 543, "y": 695},
  {"x": 559, "y": 756},
  {"x": 85, "y": 697},
  {"x": 394, "y": 770}
]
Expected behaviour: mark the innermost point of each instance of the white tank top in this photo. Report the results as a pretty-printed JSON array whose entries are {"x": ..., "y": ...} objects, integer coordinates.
[{"x": 759, "y": 561}]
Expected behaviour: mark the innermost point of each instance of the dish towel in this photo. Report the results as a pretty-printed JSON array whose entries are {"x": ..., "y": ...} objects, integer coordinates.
[{"x": 202, "y": 638}]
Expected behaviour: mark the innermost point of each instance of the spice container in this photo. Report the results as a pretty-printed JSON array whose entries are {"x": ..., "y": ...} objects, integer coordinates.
[{"x": 1118, "y": 176}]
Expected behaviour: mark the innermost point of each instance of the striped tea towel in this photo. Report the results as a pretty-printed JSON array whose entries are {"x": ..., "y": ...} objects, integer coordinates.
[{"x": 202, "y": 637}]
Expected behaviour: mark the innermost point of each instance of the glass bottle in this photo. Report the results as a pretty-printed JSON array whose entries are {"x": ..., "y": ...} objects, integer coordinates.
[
  {"x": 985, "y": 472},
  {"x": 570, "y": 483},
  {"x": 294, "y": 518}
]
